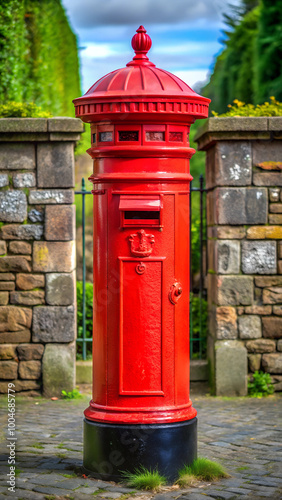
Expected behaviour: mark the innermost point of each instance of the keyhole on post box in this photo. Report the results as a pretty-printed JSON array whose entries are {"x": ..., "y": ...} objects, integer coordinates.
[{"x": 175, "y": 292}]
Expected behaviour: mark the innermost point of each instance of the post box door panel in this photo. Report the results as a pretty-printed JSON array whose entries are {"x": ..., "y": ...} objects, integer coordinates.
[
  {"x": 141, "y": 318},
  {"x": 141, "y": 326}
]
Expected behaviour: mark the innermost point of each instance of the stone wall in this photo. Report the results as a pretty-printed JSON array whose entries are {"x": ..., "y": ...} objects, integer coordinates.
[
  {"x": 244, "y": 214},
  {"x": 37, "y": 254}
]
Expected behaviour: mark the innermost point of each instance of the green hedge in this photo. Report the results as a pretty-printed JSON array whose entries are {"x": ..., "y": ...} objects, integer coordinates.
[{"x": 38, "y": 55}]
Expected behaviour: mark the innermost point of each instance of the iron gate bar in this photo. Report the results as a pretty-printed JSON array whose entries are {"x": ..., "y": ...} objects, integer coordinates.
[
  {"x": 83, "y": 192},
  {"x": 201, "y": 337}
]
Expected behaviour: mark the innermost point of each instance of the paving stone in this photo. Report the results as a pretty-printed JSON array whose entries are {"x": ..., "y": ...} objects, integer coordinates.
[
  {"x": 55, "y": 165},
  {"x": 15, "y": 263},
  {"x": 231, "y": 368},
  {"x": 23, "y": 232},
  {"x": 198, "y": 496},
  {"x": 259, "y": 257},
  {"x": 53, "y": 324},
  {"x": 58, "y": 369},
  {"x": 22, "y": 180},
  {"x": 30, "y": 281},
  {"x": 13, "y": 206},
  {"x": 30, "y": 298},
  {"x": 20, "y": 247},
  {"x": 30, "y": 369},
  {"x": 237, "y": 206},
  {"x": 272, "y": 363},
  {"x": 27, "y": 352},
  {"x": 54, "y": 256},
  {"x": 60, "y": 289},
  {"x": 49, "y": 196},
  {"x": 88, "y": 491},
  {"x": 249, "y": 327},
  {"x": 8, "y": 370},
  {"x": 30, "y": 495},
  {"x": 272, "y": 327},
  {"x": 48, "y": 490},
  {"x": 239, "y": 491},
  {"x": 16, "y": 156},
  {"x": 60, "y": 223},
  {"x": 235, "y": 290},
  {"x": 219, "y": 494}
]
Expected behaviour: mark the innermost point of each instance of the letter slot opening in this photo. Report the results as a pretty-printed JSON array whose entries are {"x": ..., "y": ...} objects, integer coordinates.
[{"x": 139, "y": 211}]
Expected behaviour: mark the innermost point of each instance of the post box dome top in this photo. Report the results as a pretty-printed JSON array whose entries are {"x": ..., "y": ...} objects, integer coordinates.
[{"x": 140, "y": 88}]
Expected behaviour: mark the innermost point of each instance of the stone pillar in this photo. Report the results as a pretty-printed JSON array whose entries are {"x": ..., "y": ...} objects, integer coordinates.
[
  {"x": 244, "y": 214},
  {"x": 37, "y": 254}
]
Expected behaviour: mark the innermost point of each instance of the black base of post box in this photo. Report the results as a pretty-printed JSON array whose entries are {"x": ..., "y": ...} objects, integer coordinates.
[{"x": 110, "y": 449}]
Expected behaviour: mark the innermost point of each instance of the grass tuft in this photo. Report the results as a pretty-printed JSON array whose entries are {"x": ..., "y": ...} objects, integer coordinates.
[
  {"x": 144, "y": 479},
  {"x": 201, "y": 469},
  {"x": 39, "y": 446}
]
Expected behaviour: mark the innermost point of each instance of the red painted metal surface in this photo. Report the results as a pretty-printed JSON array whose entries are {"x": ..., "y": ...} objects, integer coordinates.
[{"x": 140, "y": 120}]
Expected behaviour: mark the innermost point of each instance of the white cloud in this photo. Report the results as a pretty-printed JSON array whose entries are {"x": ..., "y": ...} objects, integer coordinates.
[
  {"x": 90, "y": 13},
  {"x": 101, "y": 50},
  {"x": 192, "y": 77}
]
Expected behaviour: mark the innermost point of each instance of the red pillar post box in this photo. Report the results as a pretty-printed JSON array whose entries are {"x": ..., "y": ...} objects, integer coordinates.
[{"x": 141, "y": 413}]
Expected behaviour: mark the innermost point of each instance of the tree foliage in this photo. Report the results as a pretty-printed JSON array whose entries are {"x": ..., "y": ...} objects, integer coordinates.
[
  {"x": 38, "y": 61},
  {"x": 233, "y": 75},
  {"x": 269, "y": 51},
  {"x": 250, "y": 66}
]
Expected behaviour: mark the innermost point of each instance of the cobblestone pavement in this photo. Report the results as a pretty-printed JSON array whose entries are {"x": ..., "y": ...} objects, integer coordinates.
[{"x": 242, "y": 434}]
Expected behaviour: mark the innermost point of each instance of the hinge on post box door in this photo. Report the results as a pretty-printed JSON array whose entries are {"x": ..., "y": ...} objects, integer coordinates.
[{"x": 98, "y": 191}]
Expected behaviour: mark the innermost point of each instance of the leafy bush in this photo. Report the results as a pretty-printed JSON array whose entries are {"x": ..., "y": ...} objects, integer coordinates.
[
  {"x": 239, "y": 108},
  {"x": 261, "y": 385},
  {"x": 22, "y": 110},
  {"x": 39, "y": 60},
  {"x": 89, "y": 317},
  {"x": 144, "y": 479},
  {"x": 199, "y": 311},
  {"x": 74, "y": 394}
]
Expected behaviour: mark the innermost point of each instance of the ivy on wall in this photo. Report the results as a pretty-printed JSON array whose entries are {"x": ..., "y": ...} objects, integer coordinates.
[{"x": 38, "y": 55}]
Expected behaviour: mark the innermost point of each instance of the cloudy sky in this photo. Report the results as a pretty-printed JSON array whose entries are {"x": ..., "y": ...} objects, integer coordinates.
[{"x": 185, "y": 34}]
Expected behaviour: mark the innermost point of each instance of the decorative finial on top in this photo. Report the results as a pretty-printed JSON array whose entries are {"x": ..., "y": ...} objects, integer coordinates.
[{"x": 141, "y": 44}]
